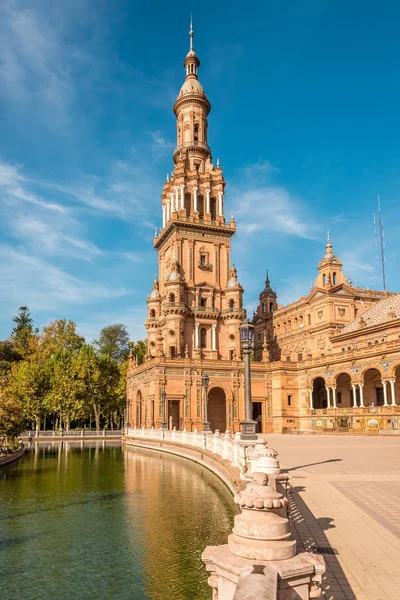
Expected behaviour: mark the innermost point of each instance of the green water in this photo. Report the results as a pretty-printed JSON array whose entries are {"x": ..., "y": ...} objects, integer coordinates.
[{"x": 100, "y": 522}]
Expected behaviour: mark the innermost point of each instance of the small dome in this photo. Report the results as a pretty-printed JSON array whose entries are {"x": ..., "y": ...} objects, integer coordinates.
[
  {"x": 174, "y": 276},
  {"x": 192, "y": 86},
  {"x": 154, "y": 294},
  {"x": 233, "y": 282}
]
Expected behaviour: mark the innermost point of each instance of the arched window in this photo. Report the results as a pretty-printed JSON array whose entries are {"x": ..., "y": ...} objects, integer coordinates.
[
  {"x": 289, "y": 325},
  {"x": 152, "y": 313},
  {"x": 196, "y": 132},
  {"x": 203, "y": 301},
  {"x": 213, "y": 208},
  {"x": 172, "y": 297},
  {"x": 263, "y": 307},
  {"x": 334, "y": 279},
  {"x": 231, "y": 303},
  {"x": 271, "y": 307},
  {"x": 324, "y": 280},
  {"x": 203, "y": 337}
]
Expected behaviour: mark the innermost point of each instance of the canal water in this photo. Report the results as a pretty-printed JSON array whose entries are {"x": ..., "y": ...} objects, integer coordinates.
[{"x": 95, "y": 521}]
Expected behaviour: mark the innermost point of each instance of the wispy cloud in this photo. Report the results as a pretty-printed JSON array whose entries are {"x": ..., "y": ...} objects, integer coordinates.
[
  {"x": 262, "y": 206},
  {"x": 161, "y": 146},
  {"x": 39, "y": 284}
]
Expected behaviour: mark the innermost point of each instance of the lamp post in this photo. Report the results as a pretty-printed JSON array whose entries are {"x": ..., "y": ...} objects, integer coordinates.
[
  {"x": 205, "y": 381},
  {"x": 247, "y": 426},
  {"x": 163, "y": 400}
]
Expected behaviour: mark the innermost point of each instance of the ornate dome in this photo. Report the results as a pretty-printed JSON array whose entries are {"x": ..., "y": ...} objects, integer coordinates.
[
  {"x": 233, "y": 280},
  {"x": 192, "y": 86},
  {"x": 155, "y": 291}
]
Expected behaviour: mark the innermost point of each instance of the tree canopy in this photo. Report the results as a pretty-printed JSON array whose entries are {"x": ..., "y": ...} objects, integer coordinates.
[{"x": 54, "y": 375}]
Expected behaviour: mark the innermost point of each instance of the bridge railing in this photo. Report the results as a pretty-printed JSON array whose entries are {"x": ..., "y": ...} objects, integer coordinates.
[
  {"x": 227, "y": 446},
  {"x": 76, "y": 433}
]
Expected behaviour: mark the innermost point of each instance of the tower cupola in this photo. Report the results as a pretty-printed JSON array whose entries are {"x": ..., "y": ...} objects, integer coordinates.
[{"x": 330, "y": 268}]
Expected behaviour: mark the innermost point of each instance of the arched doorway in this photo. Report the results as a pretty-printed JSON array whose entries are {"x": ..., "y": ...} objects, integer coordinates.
[
  {"x": 373, "y": 388},
  {"x": 139, "y": 409},
  {"x": 344, "y": 391},
  {"x": 217, "y": 409},
  {"x": 320, "y": 399}
]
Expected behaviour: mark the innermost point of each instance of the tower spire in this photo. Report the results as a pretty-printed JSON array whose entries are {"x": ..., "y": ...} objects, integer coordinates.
[
  {"x": 191, "y": 32},
  {"x": 328, "y": 246}
]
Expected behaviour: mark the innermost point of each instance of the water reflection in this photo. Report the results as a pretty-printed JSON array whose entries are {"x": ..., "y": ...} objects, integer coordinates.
[{"x": 88, "y": 520}]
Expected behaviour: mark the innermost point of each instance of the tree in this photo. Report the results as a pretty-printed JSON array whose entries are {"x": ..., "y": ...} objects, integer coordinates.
[
  {"x": 114, "y": 342},
  {"x": 29, "y": 385},
  {"x": 8, "y": 355},
  {"x": 59, "y": 336},
  {"x": 12, "y": 419},
  {"x": 99, "y": 377},
  {"x": 64, "y": 390},
  {"x": 139, "y": 350},
  {"x": 23, "y": 335}
]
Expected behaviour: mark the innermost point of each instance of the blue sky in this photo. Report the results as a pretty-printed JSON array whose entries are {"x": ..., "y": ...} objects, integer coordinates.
[{"x": 305, "y": 121}]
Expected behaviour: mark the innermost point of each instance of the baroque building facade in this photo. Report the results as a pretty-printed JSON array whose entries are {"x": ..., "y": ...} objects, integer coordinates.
[{"x": 331, "y": 360}]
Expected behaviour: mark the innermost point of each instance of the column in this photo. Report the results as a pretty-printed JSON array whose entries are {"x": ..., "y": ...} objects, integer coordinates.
[
  {"x": 385, "y": 402},
  {"x": 361, "y": 386},
  {"x": 328, "y": 397},
  {"x": 334, "y": 396},
  {"x": 354, "y": 386},
  {"x": 173, "y": 209},
  {"x": 195, "y": 198},
  {"x": 311, "y": 400},
  {"x": 176, "y": 197},
  {"x": 164, "y": 216},
  {"x": 208, "y": 192},
  {"x": 168, "y": 210},
  {"x": 220, "y": 203},
  {"x": 213, "y": 336},
  {"x": 196, "y": 335},
  {"x": 392, "y": 382},
  {"x": 182, "y": 196}
]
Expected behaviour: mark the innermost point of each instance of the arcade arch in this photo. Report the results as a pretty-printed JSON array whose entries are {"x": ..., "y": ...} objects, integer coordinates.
[{"x": 216, "y": 409}]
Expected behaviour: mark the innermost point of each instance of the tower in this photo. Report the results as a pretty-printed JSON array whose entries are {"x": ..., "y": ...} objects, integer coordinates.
[
  {"x": 195, "y": 306},
  {"x": 330, "y": 268}
]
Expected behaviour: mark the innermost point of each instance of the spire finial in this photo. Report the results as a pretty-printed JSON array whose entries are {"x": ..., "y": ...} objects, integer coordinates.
[
  {"x": 328, "y": 237},
  {"x": 267, "y": 279},
  {"x": 191, "y": 32}
]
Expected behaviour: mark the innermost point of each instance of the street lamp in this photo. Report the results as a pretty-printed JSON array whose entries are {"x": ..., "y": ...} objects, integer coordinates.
[
  {"x": 205, "y": 380},
  {"x": 163, "y": 400},
  {"x": 248, "y": 426}
]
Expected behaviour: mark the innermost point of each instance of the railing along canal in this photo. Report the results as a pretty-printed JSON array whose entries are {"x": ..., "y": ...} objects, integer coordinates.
[{"x": 227, "y": 446}]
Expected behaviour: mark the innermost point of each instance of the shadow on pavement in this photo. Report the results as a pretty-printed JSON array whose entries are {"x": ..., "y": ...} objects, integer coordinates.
[
  {"x": 312, "y": 464},
  {"x": 310, "y": 537}
]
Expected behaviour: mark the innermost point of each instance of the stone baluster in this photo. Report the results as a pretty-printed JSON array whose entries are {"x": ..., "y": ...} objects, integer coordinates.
[{"x": 261, "y": 534}]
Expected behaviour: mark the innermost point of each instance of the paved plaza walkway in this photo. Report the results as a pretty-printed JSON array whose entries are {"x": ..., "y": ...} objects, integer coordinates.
[{"x": 346, "y": 497}]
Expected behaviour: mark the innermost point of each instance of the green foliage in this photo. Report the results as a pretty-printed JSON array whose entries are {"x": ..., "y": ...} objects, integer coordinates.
[
  {"x": 29, "y": 385},
  {"x": 114, "y": 342},
  {"x": 139, "y": 350},
  {"x": 8, "y": 355},
  {"x": 23, "y": 335},
  {"x": 55, "y": 374},
  {"x": 59, "y": 336}
]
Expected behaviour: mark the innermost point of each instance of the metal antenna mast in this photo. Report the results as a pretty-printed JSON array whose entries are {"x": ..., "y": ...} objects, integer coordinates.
[{"x": 382, "y": 243}]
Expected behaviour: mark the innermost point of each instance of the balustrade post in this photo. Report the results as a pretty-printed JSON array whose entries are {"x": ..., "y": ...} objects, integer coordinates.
[
  {"x": 215, "y": 441},
  {"x": 226, "y": 446}
]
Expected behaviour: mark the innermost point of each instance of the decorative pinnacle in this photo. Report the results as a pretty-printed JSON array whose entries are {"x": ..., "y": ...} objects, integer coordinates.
[
  {"x": 217, "y": 163},
  {"x": 191, "y": 32},
  {"x": 167, "y": 177},
  {"x": 328, "y": 237},
  {"x": 267, "y": 279}
]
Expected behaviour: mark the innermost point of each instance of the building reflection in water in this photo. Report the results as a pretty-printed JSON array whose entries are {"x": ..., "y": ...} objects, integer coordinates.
[{"x": 181, "y": 508}]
